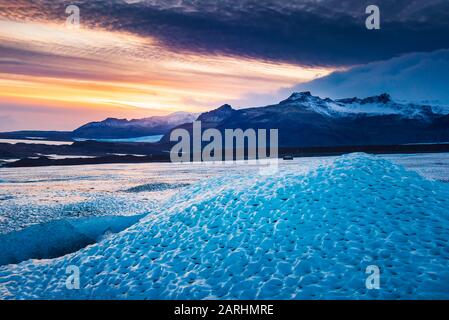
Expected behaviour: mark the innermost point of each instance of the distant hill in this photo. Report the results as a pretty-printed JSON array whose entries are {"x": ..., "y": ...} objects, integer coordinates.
[
  {"x": 111, "y": 128},
  {"x": 37, "y": 135},
  {"x": 121, "y": 128}
]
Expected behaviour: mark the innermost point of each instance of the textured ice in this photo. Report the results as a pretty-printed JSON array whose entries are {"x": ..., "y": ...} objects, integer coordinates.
[
  {"x": 434, "y": 166},
  {"x": 19, "y": 216},
  {"x": 44, "y": 194},
  {"x": 57, "y": 238},
  {"x": 295, "y": 235},
  {"x": 159, "y": 186}
]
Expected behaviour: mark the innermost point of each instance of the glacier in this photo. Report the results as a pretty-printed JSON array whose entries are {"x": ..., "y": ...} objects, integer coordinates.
[{"x": 293, "y": 235}]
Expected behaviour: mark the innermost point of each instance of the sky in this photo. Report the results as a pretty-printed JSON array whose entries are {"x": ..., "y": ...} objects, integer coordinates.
[
  {"x": 133, "y": 59},
  {"x": 414, "y": 77}
]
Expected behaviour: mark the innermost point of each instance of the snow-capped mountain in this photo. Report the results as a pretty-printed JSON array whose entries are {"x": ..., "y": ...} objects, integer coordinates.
[
  {"x": 306, "y": 120},
  {"x": 217, "y": 115},
  {"x": 303, "y": 120},
  {"x": 376, "y": 105},
  {"x": 122, "y": 128}
]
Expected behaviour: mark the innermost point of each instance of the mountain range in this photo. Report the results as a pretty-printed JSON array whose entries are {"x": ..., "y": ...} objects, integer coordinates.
[
  {"x": 121, "y": 128},
  {"x": 303, "y": 120},
  {"x": 111, "y": 128}
]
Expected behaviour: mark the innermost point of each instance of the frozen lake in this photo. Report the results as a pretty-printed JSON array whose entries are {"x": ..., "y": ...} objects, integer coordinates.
[
  {"x": 36, "y": 141},
  {"x": 153, "y": 138},
  {"x": 35, "y": 195}
]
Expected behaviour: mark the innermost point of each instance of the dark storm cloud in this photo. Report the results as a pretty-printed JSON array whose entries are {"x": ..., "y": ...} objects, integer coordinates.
[{"x": 327, "y": 32}]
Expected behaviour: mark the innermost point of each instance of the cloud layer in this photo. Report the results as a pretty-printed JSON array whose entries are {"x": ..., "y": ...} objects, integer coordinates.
[
  {"x": 158, "y": 56},
  {"x": 418, "y": 77},
  {"x": 94, "y": 73},
  {"x": 309, "y": 32}
]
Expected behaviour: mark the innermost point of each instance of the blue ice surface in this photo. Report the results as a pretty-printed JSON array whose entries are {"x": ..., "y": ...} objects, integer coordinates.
[
  {"x": 286, "y": 236},
  {"x": 56, "y": 238}
]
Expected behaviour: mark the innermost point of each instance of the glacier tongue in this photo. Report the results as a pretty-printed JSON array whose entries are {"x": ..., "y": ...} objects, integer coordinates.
[{"x": 290, "y": 236}]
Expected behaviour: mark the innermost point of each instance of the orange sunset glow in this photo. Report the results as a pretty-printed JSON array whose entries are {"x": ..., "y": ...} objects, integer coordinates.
[{"x": 54, "y": 77}]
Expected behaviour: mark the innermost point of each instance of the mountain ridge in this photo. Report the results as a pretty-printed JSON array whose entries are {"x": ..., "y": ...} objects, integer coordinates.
[
  {"x": 123, "y": 128},
  {"x": 304, "y": 120}
]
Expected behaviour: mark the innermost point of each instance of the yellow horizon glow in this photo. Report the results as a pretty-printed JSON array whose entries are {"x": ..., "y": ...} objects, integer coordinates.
[{"x": 100, "y": 69}]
